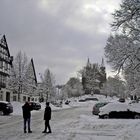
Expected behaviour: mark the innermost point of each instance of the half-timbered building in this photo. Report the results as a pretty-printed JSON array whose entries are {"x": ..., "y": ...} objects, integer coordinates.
[{"x": 5, "y": 67}]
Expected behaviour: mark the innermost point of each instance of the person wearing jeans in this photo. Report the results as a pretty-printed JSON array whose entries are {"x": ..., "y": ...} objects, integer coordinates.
[{"x": 26, "y": 108}]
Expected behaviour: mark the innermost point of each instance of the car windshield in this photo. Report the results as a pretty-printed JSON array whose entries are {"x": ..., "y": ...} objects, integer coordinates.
[{"x": 100, "y": 104}]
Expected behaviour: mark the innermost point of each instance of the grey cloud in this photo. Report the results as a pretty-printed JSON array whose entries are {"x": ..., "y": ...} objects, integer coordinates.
[{"x": 49, "y": 38}]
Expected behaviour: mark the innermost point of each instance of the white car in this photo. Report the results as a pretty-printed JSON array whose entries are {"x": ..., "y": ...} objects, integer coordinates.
[{"x": 119, "y": 110}]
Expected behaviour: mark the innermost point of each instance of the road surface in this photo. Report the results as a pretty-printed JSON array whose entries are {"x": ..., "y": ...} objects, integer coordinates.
[{"x": 66, "y": 124}]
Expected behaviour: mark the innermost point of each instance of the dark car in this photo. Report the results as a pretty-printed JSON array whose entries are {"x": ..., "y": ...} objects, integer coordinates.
[
  {"x": 119, "y": 110},
  {"x": 91, "y": 99},
  {"x": 6, "y": 108},
  {"x": 95, "y": 110},
  {"x": 122, "y": 100},
  {"x": 67, "y": 102},
  {"x": 35, "y": 105}
]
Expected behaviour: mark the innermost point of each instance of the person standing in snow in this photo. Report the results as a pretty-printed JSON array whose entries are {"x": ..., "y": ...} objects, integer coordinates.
[
  {"x": 26, "y": 108},
  {"x": 47, "y": 118}
]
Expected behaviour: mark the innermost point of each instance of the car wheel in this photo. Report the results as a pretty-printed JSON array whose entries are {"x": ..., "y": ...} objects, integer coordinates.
[
  {"x": 106, "y": 116},
  {"x": 137, "y": 116},
  {"x": 1, "y": 112},
  {"x": 5, "y": 113}
]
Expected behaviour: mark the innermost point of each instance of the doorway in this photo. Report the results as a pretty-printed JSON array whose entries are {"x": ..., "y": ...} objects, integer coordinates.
[{"x": 8, "y": 96}]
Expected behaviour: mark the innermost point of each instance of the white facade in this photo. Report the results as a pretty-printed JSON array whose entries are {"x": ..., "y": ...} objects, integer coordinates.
[{"x": 6, "y": 95}]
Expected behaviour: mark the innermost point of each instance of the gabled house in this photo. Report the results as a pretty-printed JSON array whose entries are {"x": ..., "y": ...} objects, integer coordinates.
[{"x": 5, "y": 67}]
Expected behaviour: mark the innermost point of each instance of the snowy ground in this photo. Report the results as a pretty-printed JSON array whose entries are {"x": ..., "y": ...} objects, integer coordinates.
[{"x": 72, "y": 122}]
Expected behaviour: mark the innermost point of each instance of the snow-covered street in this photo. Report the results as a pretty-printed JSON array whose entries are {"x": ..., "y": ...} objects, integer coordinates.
[{"x": 72, "y": 123}]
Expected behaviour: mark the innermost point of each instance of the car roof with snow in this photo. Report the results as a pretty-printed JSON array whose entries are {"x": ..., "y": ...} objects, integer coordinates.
[
  {"x": 4, "y": 102},
  {"x": 115, "y": 107},
  {"x": 119, "y": 107}
]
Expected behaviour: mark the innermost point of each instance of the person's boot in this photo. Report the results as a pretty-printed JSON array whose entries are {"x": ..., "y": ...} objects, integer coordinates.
[
  {"x": 49, "y": 132},
  {"x": 25, "y": 131},
  {"x": 44, "y": 131},
  {"x": 29, "y": 131}
]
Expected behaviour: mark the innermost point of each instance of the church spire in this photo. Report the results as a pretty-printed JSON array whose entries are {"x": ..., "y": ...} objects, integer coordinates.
[
  {"x": 88, "y": 62},
  {"x": 102, "y": 64}
]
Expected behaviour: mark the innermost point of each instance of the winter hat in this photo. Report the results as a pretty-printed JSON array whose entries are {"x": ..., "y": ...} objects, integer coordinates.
[{"x": 47, "y": 103}]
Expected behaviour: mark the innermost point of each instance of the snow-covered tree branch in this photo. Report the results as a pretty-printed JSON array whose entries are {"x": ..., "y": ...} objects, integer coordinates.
[
  {"x": 48, "y": 85},
  {"x": 16, "y": 81}
]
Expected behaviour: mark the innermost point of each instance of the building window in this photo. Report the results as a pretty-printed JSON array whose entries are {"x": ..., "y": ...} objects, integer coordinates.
[
  {"x": 14, "y": 98},
  {"x": 1, "y": 64},
  {"x": 1, "y": 97},
  {"x": 3, "y": 79},
  {"x": 24, "y": 98},
  {"x": 6, "y": 66}
]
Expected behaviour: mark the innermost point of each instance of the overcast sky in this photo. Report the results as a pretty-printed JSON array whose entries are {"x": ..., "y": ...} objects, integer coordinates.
[{"x": 57, "y": 34}]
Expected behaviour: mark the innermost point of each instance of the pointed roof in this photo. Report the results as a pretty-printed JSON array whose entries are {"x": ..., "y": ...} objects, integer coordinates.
[
  {"x": 32, "y": 63},
  {"x": 88, "y": 62},
  {"x": 3, "y": 43},
  {"x": 102, "y": 64}
]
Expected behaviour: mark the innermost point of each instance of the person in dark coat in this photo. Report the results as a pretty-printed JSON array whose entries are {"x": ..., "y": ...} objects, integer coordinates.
[
  {"x": 26, "y": 108},
  {"x": 47, "y": 118}
]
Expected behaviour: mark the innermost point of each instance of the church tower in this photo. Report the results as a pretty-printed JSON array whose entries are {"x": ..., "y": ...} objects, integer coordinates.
[
  {"x": 93, "y": 77},
  {"x": 102, "y": 72},
  {"x": 88, "y": 63}
]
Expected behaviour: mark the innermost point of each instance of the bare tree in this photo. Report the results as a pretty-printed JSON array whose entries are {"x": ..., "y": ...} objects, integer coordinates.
[
  {"x": 114, "y": 86},
  {"x": 16, "y": 80},
  {"x": 127, "y": 18},
  {"x": 123, "y": 47},
  {"x": 73, "y": 88},
  {"x": 48, "y": 85},
  {"x": 122, "y": 53}
]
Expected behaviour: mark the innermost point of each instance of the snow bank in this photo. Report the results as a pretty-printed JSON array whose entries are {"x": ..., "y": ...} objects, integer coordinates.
[{"x": 17, "y": 107}]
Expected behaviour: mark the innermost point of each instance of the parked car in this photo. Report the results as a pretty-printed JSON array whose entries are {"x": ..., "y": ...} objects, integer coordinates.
[
  {"x": 35, "y": 105},
  {"x": 88, "y": 99},
  {"x": 91, "y": 99},
  {"x": 95, "y": 110},
  {"x": 133, "y": 102},
  {"x": 119, "y": 110},
  {"x": 6, "y": 108},
  {"x": 82, "y": 100},
  {"x": 67, "y": 102},
  {"x": 122, "y": 100},
  {"x": 57, "y": 103}
]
